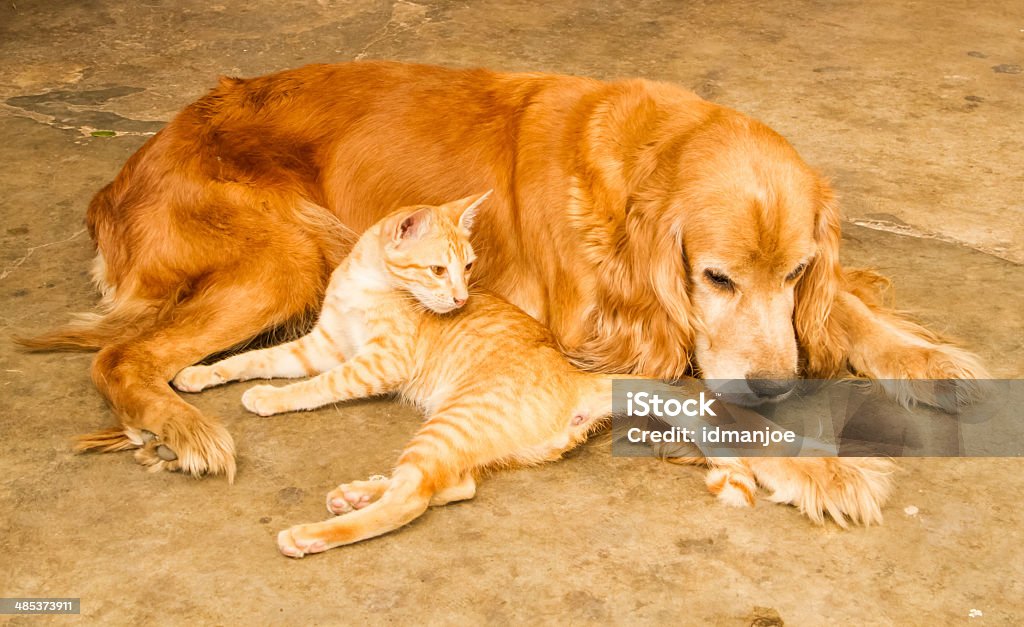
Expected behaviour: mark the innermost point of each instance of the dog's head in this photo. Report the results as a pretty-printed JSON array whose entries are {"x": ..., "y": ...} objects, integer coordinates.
[
  {"x": 734, "y": 237},
  {"x": 758, "y": 239}
]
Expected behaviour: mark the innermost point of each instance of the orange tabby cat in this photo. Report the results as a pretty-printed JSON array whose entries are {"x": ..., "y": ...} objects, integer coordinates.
[{"x": 495, "y": 387}]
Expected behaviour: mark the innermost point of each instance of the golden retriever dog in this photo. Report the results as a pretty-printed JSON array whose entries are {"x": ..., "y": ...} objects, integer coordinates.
[{"x": 653, "y": 232}]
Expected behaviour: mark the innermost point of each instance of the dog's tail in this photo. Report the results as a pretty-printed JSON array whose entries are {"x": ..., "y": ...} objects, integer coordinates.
[
  {"x": 105, "y": 441},
  {"x": 89, "y": 332}
]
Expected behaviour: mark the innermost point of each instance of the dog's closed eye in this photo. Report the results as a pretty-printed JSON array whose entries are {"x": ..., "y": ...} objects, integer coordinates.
[
  {"x": 795, "y": 274},
  {"x": 718, "y": 279}
]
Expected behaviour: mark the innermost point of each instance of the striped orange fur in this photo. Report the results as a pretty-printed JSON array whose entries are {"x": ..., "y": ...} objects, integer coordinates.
[{"x": 494, "y": 386}]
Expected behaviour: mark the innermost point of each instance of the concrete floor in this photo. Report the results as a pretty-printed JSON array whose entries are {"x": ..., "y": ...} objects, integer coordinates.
[{"x": 912, "y": 109}]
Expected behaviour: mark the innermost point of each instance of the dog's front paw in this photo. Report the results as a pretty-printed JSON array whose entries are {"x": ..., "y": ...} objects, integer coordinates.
[
  {"x": 264, "y": 400},
  {"x": 197, "y": 378},
  {"x": 847, "y": 489},
  {"x": 942, "y": 376}
]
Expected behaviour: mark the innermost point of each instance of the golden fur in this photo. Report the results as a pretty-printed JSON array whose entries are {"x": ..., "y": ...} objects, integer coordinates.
[{"x": 619, "y": 209}]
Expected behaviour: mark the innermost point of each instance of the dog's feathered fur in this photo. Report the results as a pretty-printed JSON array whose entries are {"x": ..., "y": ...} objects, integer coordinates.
[{"x": 608, "y": 197}]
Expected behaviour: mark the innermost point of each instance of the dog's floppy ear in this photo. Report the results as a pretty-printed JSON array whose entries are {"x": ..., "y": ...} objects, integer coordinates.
[
  {"x": 643, "y": 322},
  {"x": 818, "y": 289},
  {"x": 669, "y": 276},
  {"x": 618, "y": 205}
]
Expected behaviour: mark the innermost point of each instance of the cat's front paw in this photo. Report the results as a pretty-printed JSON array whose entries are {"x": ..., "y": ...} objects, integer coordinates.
[
  {"x": 197, "y": 378},
  {"x": 264, "y": 400},
  {"x": 298, "y": 541}
]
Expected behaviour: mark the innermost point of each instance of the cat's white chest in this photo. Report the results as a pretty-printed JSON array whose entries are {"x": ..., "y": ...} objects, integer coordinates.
[
  {"x": 345, "y": 321},
  {"x": 357, "y": 328},
  {"x": 348, "y": 324}
]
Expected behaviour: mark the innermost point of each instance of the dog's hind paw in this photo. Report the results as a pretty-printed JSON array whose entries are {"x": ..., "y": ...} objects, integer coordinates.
[{"x": 194, "y": 444}]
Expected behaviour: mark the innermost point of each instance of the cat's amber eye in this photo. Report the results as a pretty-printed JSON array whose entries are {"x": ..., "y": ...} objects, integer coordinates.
[
  {"x": 438, "y": 270},
  {"x": 469, "y": 266}
]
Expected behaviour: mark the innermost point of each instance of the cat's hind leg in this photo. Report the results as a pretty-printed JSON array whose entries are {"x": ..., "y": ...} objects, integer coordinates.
[
  {"x": 435, "y": 468},
  {"x": 407, "y": 496},
  {"x": 358, "y": 494},
  {"x": 463, "y": 490}
]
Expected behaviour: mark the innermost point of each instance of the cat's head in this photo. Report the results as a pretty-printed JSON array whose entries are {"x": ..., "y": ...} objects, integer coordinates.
[{"x": 427, "y": 251}]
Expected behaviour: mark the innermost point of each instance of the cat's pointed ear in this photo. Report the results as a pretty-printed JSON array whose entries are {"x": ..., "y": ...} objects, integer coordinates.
[
  {"x": 410, "y": 226},
  {"x": 463, "y": 211}
]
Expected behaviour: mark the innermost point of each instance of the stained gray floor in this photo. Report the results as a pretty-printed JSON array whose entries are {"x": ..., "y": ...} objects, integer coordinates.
[{"x": 913, "y": 110}]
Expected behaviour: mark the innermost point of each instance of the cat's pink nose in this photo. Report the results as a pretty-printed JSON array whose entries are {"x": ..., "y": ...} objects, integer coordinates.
[{"x": 459, "y": 302}]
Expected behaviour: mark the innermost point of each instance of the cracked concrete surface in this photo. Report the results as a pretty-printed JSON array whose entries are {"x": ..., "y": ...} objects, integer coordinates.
[
  {"x": 76, "y": 110},
  {"x": 913, "y": 110}
]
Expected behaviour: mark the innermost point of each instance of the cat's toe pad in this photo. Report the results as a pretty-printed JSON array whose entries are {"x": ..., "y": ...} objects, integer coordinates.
[
  {"x": 356, "y": 495},
  {"x": 292, "y": 542}
]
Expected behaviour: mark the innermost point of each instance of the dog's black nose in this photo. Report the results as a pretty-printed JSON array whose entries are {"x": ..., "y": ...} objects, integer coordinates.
[{"x": 769, "y": 385}]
